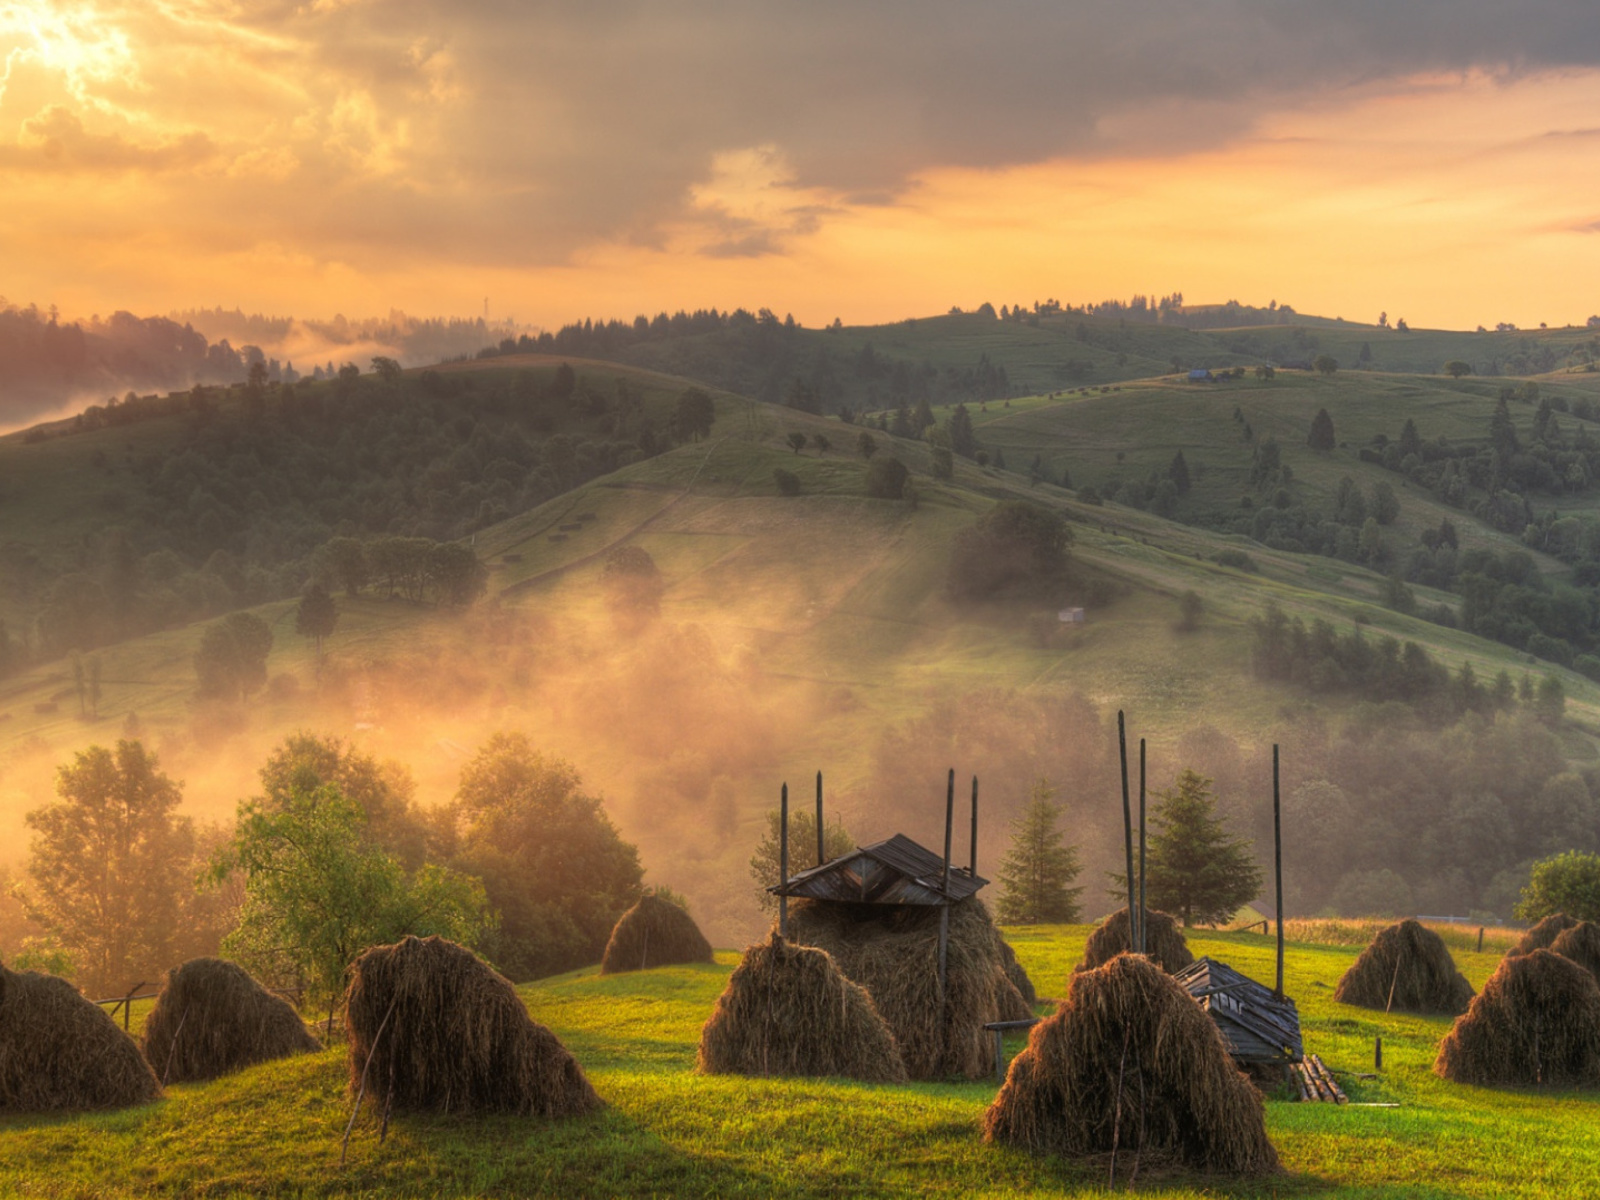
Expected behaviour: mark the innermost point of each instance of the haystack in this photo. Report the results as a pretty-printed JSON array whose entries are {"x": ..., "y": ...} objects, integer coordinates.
[
  {"x": 1409, "y": 968},
  {"x": 1164, "y": 942},
  {"x": 1018, "y": 977},
  {"x": 789, "y": 1010},
  {"x": 893, "y": 952},
  {"x": 1537, "y": 1021},
  {"x": 1581, "y": 944},
  {"x": 1542, "y": 935},
  {"x": 60, "y": 1051},
  {"x": 1130, "y": 1062},
  {"x": 445, "y": 1032},
  {"x": 654, "y": 933},
  {"x": 212, "y": 1018}
]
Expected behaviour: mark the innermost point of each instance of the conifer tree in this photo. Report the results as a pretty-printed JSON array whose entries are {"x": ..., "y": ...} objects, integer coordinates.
[
  {"x": 1038, "y": 871},
  {"x": 1196, "y": 871}
]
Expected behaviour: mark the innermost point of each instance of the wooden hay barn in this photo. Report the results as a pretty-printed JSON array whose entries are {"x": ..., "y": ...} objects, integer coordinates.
[
  {"x": 1258, "y": 1027},
  {"x": 892, "y": 872}
]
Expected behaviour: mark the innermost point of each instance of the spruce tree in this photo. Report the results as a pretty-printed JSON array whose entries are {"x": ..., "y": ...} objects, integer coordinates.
[
  {"x": 1196, "y": 870},
  {"x": 1322, "y": 436},
  {"x": 1038, "y": 871}
]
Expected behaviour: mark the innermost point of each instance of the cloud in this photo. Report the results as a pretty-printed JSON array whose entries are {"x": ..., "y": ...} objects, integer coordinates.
[{"x": 55, "y": 141}]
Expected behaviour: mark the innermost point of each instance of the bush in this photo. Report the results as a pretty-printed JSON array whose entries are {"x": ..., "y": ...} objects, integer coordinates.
[
  {"x": 1087, "y": 495},
  {"x": 1568, "y": 883},
  {"x": 886, "y": 477},
  {"x": 788, "y": 482},
  {"x": 1237, "y": 559}
]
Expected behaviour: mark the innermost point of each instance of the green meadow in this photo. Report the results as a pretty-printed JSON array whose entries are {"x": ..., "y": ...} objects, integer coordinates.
[{"x": 276, "y": 1130}]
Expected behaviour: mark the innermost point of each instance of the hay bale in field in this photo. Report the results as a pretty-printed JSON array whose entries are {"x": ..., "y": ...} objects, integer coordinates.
[
  {"x": 59, "y": 1050},
  {"x": 212, "y": 1018},
  {"x": 1164, "y": 940},
  {"x": 1018, "y": 977},
  {"x": 1537, "y": 1021},
  {"x": 1406, "y": 967},
  {"x": 1580, "y": 943},
  {"x": 445, "y": 1032},
  {"x": 789, "y": 1010},
  {"x": 654, "y": 933},
  {"x": 1180, "y": 1096},
  {"x": 893, "y": 952},
  {"x": 1542, "y": 935}
]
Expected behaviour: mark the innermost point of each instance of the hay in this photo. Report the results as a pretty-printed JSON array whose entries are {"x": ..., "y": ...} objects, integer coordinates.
[
  {"x": 654, "y": 933},
  {"x": 456, "y": 1037},
  {"x": 211, "y": 1018},
  {"x": 1409, "y": 963},
  {"x": 789, "y": 1010},
  {"x": 1165, "y": 944},
  {"x": 1537, "y": 1021},
  {"x": 60, "y": 1051},
  {"x": 1018, "y": 977},
  {"x": 1180, "y": 1096},
  {"x": 894, "y": 954},
  {"x": 1580, "y": 943},
  {"x": 1544, "y": 934}
]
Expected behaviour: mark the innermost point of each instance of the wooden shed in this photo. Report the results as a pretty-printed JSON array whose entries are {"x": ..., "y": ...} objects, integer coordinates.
[
  {"x": 893, "y": 872},
  {"x": 1257, "y": 1026}
]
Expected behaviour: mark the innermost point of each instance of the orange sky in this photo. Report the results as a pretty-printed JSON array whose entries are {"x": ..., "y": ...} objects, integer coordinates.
[{"x": 358, "y": 155}]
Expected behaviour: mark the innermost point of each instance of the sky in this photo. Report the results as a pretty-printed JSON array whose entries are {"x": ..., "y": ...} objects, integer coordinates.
[{"x": 1438, "y": 160}]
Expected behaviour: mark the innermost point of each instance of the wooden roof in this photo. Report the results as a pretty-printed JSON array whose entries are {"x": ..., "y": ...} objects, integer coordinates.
[
  {"x": 896, "y": 871},
  {"x": 1256, "y": 1026}
]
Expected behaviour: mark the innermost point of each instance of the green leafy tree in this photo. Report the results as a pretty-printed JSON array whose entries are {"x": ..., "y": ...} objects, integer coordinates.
[
  {"x": 1196, "y": 870},
  {"x": 316, "y": 616},
  {"x": 1038, "y": 872},
  {"x": 1568, "y": 883},
  {"x": 457, "y": 575},
  {"x": 1325, "y": 364},
  {"x": 384, "y": 793},
  {"x": 633, "y": 583},
  {"x": 232, "y": 659},
  {"x": 886, "y": 478},
  {"x": 556, "y": 871},
  {"x": 764, "y": 863},
  {"x": 797, "y": 441},
  {"x": 346, "y": 562},
  {"x": 821, "y": 442},
  {"x": 1015, "y": 546},
  {"x": 1322, "y": 435},
  {"x": 1455, "y": 368},
  {"x": 943, "y": 465},
  {"x": 109, "y": 864},
  {"x": 695, "y": 414},
  {"x": 387, "y": 370}
]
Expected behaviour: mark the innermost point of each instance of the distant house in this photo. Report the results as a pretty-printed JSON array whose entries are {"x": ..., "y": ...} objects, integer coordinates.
[
  {"x": 1201, "y": 375},
  {"x": 1070, "y": 616}
]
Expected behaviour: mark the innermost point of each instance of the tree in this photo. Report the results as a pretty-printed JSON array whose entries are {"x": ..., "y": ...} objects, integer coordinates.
[
  {"x": 886, "y": 478},
  {"x": 1455, "y": 368},
  {"x": 110, "y": 864},
  {"x": 1015, "y": 546},
  {"x": 1385, "y": 505},
  {"x": 1568, "y": 883},
  {"x": 384, "y": 793},
  {"x": 962, "y": 439},
  {"x": 1321, "y": 436},
  {"x": 821, "y": 442},
  {"x": 1325, "y": 364},
  {"x": 764, "y": 862},
  {"x": 1410, "y": 439},
  {"x": 696, "y": 413},
  {"x": 788, "y": 482},
  {"x": 346, "y": 561},
  {"x": 942, "y": 465},
  {"x": 1037, "y": 872},
  {"x": 232, "y": 659},
  {"x": 456, "y": 573},
  {"x": 555, "y": 869},
  {"x": 1265, "y": 372},
  {"x": 563, "y": 383},
  {"x": 316, "y": 616},
  {"x": 867, "y": 445},
  {"x": 633, "y": 583},
  {"x": 387, "y": 370},
  {"x": 1551, "y": 704},
  {"x": 1178, "y": 472},
  {"x": 1196, "y": 870},
  {"x": 797, "y": 441}
]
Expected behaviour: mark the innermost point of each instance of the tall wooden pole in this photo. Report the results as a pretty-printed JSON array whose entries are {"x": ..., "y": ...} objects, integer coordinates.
[
  {"x": 974, "y": 867},
  {"x": 822, "y": 856},
  {"x": 1277, "y": 860},
  {"x": 1127, "y": 821},
  {"x": 783, "y": 862},
  {"x": 944, "y": 885},
  {"x": 1144, "y": 929}
]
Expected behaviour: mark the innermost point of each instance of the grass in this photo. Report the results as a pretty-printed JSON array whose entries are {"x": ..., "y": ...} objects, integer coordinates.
[{"x": 275, "y": 1130}]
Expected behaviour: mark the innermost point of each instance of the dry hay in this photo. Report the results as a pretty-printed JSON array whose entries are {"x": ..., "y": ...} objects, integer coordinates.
[
  {"x": 1130, "y": 1062},
  {"x": 1580, "y": 943},
  {"x": 1537, "y": 1021},
  {"x": 1165, "y": 945},
  {"x": 1544, "y": 934},
  {"x": 1018, "y": 977},
  {"x": 894, "y": 954},
  {"x": 654, "y": 933},
  {"x": 212, "y": 1018},
  {"x": 58, "y": 1050},
  {"x": 1406, "y": 967},
  {"x": 455, "y": 1037},
  {"x": 789, "y": 1010}
]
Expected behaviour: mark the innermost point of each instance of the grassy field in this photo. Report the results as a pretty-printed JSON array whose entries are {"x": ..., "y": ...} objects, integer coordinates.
[{"x": 275, "y": 1130}]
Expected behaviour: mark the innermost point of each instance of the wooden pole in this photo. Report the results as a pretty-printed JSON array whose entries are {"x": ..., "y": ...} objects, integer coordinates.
[
  {"x": 1144, "y": 931},
  {"x": 1127, "y": 819},
  {"x": 974, "y": 866},
  {"x": 1377, "y": 1054},
  {"x": 822, "y": 855},
  {"x": 944, "y": 884},
  {"x": 1277, "y": 858},
  {"x": 1480, "y": 939},
  {"x": 783, "y": 861}
]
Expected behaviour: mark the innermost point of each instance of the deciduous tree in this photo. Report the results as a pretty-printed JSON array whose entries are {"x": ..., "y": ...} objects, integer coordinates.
[{"x": 232, "y": 659}]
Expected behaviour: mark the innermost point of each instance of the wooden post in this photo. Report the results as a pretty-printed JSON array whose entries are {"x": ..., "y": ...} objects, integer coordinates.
[
  {"x": 973, "y": 868},
  {"x": 1480, "y": 939},
  {"x": 1127, "y": 818},
  {"x": 822, "y": 855},
  {"x": 1277, "y": 859},
  {"x": 783, "y": 862},
  {"x": 1144, "y": 931},
  {"x": 1377, "y": 1054},
  {"x": 944, "y": 884}
]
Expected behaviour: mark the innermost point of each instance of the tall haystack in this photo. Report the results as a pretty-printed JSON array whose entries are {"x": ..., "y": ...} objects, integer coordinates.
[
  {"x": 654, "y": 933},
  {"x": 60, "y": 1051},
  {"x": 1580, "y": 943},
  {"x": 893, "y": 952},
  {"x": 1537, "y": 1021},
  {"x": 789, "y": 1010},
  {"x": 445, "y": 1032},
  {"x": 1131, "y": 1063},
  {"x": 212, "y": 1018},
  {"x": 1406, "y": 967},
  {"x": 1544, "y": 934},
  {"x": 1018, "y": 977},
  {"x": 1164, "y": 942}
]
